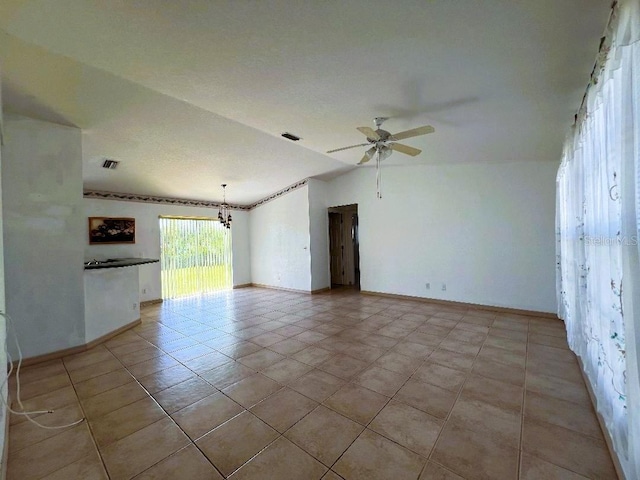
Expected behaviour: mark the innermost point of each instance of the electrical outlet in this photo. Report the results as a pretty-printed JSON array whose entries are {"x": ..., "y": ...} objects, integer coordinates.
[
  {"x": 444, "y": 287},
  {"x": 134, "y": 306},
  {"x": 428, "y": 285},
  {"x": 144, "y": 290}
]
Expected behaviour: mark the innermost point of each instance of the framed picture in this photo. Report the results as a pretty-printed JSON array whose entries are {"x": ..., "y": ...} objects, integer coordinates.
[{"x": 104, "y": 230}]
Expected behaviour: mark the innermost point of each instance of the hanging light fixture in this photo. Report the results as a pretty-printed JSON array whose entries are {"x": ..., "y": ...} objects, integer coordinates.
[{"x": 223, "y": 214}]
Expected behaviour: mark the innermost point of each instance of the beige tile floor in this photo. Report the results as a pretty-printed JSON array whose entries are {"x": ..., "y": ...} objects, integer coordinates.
[{"x": 263, "y": 384}]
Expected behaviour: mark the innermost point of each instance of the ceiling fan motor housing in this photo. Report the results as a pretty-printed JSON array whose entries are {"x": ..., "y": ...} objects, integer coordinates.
[{"x": 383, "y": 134}]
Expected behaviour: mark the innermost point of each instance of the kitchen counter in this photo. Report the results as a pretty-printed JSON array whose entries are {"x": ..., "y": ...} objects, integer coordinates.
[{"x": 118, "y": 262}]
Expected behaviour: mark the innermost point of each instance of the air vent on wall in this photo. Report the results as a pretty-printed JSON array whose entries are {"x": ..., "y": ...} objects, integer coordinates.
[
  {"x": 110, "y": 164},
  {"x": 291, "y": 136}
]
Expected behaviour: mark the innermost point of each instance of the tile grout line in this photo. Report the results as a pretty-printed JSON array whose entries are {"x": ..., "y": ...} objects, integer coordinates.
[
  {"x": 306, "y": 327},
  {"x": 308, "y": 413},
  {"x": 191, "y": 441},
  {"x": 80, "y": 405},
  {"x": 218, "y": 391},
  {"x": 458, "y": 395},
  {"x": 425, "y": 360},
  {"x": 350, "y": 381},
  {"x": 61, "y": 430},
  {"x": 127, "y": 405},
  {"x": 522, "y": 407},
  {"x": 86, "y": 419},
  {"x": 545, "y": 422}
]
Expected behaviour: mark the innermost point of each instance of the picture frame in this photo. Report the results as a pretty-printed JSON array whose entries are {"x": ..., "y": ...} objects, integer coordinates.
[{"x": 110, "y": 230}]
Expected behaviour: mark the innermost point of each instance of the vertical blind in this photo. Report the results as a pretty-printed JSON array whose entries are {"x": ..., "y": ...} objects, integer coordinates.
[{"x": 195, "y": 256}]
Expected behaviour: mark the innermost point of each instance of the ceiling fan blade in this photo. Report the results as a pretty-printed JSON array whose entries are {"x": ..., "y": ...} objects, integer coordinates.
[
  {"x": 347, "y": 148},
  {"x": 406, "y": 149},
  {"x": 368, "y": 155},
  {"x": 369, "y": 132},
  {"x": 413, "y": 133}
]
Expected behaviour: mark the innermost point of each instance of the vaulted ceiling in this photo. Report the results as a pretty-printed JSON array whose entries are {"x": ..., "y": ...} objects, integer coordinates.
[{"x": 192, "y": 94}]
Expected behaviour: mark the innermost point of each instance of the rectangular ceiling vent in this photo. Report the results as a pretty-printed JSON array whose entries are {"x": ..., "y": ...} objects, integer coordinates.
[
  {"x": 291, "y": 136},
  {"x": 110, "y": 164}
]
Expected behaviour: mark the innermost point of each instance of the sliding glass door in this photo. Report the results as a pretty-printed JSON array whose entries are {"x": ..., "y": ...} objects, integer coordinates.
[{"x": 195, "y": 256}]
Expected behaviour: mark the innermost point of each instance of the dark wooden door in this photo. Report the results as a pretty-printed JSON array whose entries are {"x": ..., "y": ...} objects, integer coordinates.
[{"x": 336, "y": 248}]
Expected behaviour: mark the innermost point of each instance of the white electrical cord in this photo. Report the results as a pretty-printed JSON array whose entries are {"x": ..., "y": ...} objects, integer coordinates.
[{"x": 26, "y": 414}]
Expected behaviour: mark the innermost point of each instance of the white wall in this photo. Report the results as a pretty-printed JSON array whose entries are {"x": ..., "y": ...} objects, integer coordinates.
[
  {"x": 319, "y": 235},
  {"x": 486, "y": 231},
  {"x": 43, "y": 234},
  {"x": 280, "y": 242},
  {"x": 3, "y": 324},
  {"x": 148, "y": 238},
  {"x": 111, "y": 300},
  {"x": 241, "y": 247}
]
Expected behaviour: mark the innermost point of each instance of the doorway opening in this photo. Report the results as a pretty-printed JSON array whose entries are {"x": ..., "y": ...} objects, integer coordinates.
[
  {"x": 195, "y": 256},
  {"x": 344, "y": 246}
]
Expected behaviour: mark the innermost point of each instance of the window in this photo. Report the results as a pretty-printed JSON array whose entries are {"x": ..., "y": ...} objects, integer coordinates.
[{"x": 195, "y": 256}]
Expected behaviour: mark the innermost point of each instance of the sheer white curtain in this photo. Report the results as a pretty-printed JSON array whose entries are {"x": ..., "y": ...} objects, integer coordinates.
[{"x": 593, "y": 209}]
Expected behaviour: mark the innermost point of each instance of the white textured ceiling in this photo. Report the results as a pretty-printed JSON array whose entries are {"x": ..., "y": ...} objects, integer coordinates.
[{"x": 191, "y": 94}]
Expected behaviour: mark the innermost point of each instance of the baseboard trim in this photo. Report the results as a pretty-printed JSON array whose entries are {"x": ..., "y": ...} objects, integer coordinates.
[
  {"x": 243, "y": 285},
  {"x": 78, "y": 349},
  {"x": 110, "y": 335},
  {"x": 605, "y": 432},
  {"x": 490, "y": 308},
  {"x": 320, "y": 290},
  {"x": 273, "y": 287},
  {"x": 146, "y": 303}
]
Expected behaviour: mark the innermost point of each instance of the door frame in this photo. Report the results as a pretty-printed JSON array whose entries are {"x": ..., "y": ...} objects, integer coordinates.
[{"x": 350, "y": 243}]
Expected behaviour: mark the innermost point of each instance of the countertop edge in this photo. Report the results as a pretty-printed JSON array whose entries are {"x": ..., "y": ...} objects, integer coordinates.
[{"x": 120, "y": 263}]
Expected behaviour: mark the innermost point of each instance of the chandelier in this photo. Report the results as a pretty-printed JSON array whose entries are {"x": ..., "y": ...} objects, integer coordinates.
[{"x": 223, "y": 214}]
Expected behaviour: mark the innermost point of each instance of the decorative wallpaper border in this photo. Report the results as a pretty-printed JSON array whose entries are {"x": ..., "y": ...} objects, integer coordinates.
[
  {"x": 132, "y": 197},
  {"x": 280, "y": 193}
]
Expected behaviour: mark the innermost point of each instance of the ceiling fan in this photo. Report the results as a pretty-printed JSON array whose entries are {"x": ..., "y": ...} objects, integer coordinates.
[{"x": 384, "y": 143}]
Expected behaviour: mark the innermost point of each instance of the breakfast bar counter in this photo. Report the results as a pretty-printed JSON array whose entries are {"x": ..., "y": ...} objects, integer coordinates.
[{"x": 111, "y": 295}]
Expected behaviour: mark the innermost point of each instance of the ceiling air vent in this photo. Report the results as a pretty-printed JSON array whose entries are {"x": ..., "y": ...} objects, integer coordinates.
[
  {"x": 291, "y": 136},
  {"x": 110, "y": 164}
]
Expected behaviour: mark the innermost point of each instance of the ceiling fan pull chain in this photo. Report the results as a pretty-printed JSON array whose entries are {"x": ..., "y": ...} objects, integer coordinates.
[{"x": 378, "y": 177}]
